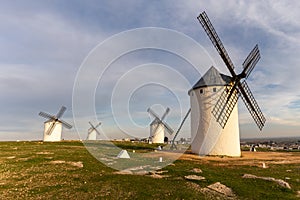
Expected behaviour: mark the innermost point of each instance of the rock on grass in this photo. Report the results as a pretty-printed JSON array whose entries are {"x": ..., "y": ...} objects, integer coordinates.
[
  {"x": 194, "y": 177},
  {"x": 280, "y": 182}
]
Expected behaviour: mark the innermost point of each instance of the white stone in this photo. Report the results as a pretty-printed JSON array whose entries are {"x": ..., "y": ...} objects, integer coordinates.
[
  {"x": 194, "y": 177},
  {"x": 123, "y": 154}
]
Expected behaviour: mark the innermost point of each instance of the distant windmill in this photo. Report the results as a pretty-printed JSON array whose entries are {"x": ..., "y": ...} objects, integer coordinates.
[
  {"x": 158, "y": 127},
  {"x": 216, "y": 95},
  {"x": 93, "y": 132},
  {"x": 53, "y": 126}
]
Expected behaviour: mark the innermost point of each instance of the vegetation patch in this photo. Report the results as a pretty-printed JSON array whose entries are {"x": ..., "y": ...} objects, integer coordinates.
[{"x": 73, "y": 173}]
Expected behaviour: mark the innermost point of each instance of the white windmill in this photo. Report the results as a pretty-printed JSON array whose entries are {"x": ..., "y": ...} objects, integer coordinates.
[
  {"x": 53, "y": 126},
  {"x": 214, "y": 112},
  {"x": 93, "y": 132},
  {"x": 158, "y": 127}
]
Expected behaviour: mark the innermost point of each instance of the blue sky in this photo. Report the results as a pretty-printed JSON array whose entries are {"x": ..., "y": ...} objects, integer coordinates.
[{"x": 43, "y": 44}]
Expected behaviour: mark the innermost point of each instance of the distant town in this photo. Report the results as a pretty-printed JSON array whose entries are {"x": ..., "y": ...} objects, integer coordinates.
[
  {"x": 288, "y": 144},
  {"x": 253, "y": 144}
]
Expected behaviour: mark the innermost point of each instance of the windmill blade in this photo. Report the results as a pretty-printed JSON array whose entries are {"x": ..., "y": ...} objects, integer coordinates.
[
  {"x": 165, "y": 114},
  {"x": 91, "y": 124},
  {"x": 152, "y": 113},
  {"x": 225, "y": 105},
  {"x": 90, "y": 130},
  {"x": 61, "y": 112},
  {"x": 51, "y": 128},
  {"x": 168, "y": 128},
  {"x": 251, "y": 61},
  {"x": 65, "y": 124},
  {"x": 46, "y": 115},
  {"x": 213, "y": 36},
  {"x": 98, "y": 125},
  {"x": 97, "y": 132},
  {"x": 252, "y": 105}
]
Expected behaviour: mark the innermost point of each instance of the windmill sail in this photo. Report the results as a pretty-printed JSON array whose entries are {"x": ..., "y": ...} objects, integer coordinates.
[
  {"x": 65, "y": 124},
  {"x": 225, "y": 105},
  {"x": 46, "y": 115},
  {"x": 213, "y": 36},
  {"x": 252, "y": 105},
  {"x": 51, "y": 128},
  {"x": 61, "y": 112},
  {"x": 251, "y": 61},
  {"x": 227, "y": 101}
]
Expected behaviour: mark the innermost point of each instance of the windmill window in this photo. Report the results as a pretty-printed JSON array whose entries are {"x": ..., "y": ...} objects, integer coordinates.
[
  {"x": 201, "y": 91},
  {"x": 214, "y": 89}
]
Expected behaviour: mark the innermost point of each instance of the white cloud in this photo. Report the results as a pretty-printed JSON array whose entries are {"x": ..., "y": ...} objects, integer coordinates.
[{"x": 42, "y": 47}]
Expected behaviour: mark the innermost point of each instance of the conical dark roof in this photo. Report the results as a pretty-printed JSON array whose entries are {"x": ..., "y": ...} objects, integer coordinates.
[{"x": 212, "y": 78}]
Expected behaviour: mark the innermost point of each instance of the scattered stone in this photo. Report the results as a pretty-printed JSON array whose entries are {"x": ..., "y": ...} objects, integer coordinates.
[
  {"x": 194, "y": 186},
  {"x": 211, "y": 193},
  {"x": 142, "y": 172},
  {"x": 11, "y": 157},
  {"x": 123, "y": 154},
  {"x": 106, "y": 159},
  {"x": 223, "y": 189},
  {"x": 44, "y": 153},
  {"x": 75, "y": 164},
  {"x": 288, "y": 170},
  {"x": 298, "y": 193},
  {"x": 287, "y": 178},
  {"x": 194, "y": 177},
  {"x": 162, "y": 171},
  {"x": 196, "y": 170},
  {"x": 154, "y": 175},
  {"x": 137, "y": 168},
  {"x": 123, "y": 172},
  {"x": 57, "y": 162},
  {"x": 278, "y": 181},
  {"x": 23, "y": 159}
]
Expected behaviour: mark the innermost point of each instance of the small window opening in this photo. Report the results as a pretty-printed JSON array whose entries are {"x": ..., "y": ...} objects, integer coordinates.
[
  {"x": 201, "y": 91},
  {"x": 214, "y": 89}
]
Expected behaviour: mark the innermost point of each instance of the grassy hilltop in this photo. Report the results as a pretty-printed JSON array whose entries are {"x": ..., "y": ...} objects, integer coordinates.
[{"x": 66, "y": 170}]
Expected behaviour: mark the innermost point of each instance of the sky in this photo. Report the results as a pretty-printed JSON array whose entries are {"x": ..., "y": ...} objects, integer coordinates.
[{"x": 45, "y": 45}]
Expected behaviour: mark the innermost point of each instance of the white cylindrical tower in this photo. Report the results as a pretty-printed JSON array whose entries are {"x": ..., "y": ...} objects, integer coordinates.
[
  {"x": 92, "y": 135},
  {"x": 157, "y": 132},
  {"x": 209, "y": 138},
  {"x": 55, "y": 134}
]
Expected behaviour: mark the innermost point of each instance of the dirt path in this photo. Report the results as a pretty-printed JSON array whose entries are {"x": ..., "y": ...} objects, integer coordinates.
[
  {"x": 250, "y": 158},
  {"x": 247, "y": 158}
]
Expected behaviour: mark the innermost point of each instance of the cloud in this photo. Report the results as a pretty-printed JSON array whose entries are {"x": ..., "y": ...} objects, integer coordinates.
[{"x": 43, "y": 44}]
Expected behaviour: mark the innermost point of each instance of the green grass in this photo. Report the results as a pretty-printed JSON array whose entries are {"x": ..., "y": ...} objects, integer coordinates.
[{"x": 27, "y": 173}]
